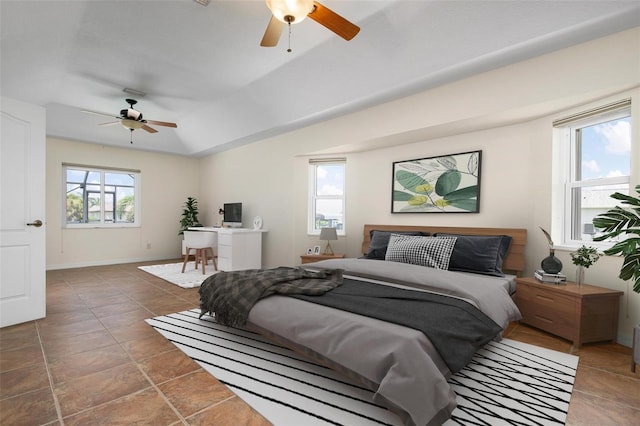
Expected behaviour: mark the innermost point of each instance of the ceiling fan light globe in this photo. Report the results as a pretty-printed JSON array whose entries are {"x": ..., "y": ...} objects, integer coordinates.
[
  {"x": 131, "y": 124},
  {"x": 284, "y": 9}
]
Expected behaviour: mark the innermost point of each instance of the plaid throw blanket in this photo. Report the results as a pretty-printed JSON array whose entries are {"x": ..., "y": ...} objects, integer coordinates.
[{"x": 231, "y": 295}]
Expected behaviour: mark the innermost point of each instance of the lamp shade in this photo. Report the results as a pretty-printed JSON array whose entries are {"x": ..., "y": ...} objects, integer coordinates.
[
  {"x": 328, "y": 234},
  {"x": 298, "y": 9}
]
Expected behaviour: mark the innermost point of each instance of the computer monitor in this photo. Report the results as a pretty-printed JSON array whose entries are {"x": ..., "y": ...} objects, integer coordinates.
[{"x": 233, "y": 215}]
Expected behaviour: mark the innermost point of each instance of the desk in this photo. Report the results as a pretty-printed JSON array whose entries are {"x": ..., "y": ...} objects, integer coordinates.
[{"x": 237, "y": 248}]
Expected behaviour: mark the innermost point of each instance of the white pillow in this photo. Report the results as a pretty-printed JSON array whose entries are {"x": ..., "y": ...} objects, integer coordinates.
[{"x": 433, "y": 252}]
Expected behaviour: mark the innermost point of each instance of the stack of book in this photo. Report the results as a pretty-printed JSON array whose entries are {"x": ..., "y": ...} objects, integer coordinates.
[{"x": 544, "y": 277}]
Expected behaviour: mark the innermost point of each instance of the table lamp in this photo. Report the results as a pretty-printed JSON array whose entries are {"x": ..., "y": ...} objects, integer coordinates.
[{"x": 328, "y": 234}]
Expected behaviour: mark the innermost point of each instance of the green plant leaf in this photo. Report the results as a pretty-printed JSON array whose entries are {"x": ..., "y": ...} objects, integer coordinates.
[
  {"x": 448, "y": 182},
  {"x": 463, "y": 193},
  {"x": 409, "y": 180},
  {"x": 401, "y": 196},
  {"x": 623, "y": 221},
  {"x": 467, "y": 204}
]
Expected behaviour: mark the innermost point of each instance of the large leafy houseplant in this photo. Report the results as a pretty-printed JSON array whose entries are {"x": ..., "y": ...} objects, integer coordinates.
[
  {"x": 623, "y": 221},
  {"x": 189, "y": 215}
]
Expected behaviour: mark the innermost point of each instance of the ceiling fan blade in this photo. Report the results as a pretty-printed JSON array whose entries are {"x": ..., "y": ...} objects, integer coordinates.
[
  {"x": 149, "y": 129},
  {"x": 161, "y": 123},
  {"x": 110, "y": 123},
  {"x": 273, "y": 33},
  {"x": 336, "y": 23},
  {"x": 99, "y": 113}
]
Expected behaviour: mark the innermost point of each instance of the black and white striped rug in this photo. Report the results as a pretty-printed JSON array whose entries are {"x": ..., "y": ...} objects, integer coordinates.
[{"x": 507, "y": 382}]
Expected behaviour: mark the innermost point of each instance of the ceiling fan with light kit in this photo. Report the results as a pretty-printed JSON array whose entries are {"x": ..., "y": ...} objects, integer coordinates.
[
  {"x": 287, "y": 12},
  {"x": 130, "y": 118}
]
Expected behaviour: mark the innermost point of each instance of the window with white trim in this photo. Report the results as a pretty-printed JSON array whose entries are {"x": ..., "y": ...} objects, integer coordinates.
[
  {"x": 327, "y": 195},
  {"x": 100, "y": 197},
  {"x": 595, "y": 149}
]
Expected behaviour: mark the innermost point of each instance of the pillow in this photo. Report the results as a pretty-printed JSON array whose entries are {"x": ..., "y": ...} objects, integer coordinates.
[
  {"x": 424, "y": 251},
  {"x": 480, "y": 254},
  {"x": 380, "y": 240}
]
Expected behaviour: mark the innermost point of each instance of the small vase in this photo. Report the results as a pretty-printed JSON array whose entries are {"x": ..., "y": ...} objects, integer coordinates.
[
  {"x": 551, "y": 264},
  {"x": 580, "y": 275}
]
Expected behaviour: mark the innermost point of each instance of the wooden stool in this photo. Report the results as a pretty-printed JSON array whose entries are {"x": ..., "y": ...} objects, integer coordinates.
[{"x": 202, "y": 242}]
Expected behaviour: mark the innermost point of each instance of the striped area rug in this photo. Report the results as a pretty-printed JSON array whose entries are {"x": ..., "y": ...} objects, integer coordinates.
[{"x": 507, "y": 382}]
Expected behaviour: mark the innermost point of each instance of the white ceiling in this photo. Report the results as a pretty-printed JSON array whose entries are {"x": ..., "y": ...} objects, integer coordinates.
[{"x": 202, "y": 67}]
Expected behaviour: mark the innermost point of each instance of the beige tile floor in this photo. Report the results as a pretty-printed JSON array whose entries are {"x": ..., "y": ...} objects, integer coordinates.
[{"x": 93, "y": 360}]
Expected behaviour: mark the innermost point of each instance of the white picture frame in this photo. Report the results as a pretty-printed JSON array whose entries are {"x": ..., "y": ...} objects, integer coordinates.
[
  {"x": 316, "y": 249},
  {"x": 309, "y": 250}
]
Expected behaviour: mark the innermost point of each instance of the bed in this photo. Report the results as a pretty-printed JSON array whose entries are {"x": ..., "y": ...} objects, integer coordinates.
[{"x": 401, "y": 364}]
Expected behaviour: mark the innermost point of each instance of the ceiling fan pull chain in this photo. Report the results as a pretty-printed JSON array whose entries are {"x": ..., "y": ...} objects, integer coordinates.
[
  {"x": 131, "y": 136},
  {"x": 289, "y": 49}
]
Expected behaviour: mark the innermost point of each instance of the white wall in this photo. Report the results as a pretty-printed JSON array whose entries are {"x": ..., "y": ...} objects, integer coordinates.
[{"x": 167, "y": 181}]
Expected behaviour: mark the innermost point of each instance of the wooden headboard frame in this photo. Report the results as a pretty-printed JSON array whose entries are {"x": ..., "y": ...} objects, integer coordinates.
[{"x": 513, "y": 263}]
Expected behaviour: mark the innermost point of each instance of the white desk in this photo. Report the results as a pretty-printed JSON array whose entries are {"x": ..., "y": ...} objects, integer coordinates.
[{"x": 237, "y": 248}]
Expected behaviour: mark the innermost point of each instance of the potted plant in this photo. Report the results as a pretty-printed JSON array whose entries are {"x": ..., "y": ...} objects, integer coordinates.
[
  {"x": 626, "y": 222},
  {"x": 189, "y": 215},
  {"x": 583, "y": 258}
]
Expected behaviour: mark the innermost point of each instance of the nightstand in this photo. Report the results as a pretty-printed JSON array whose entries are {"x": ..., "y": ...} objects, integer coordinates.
[
  {"x": 580, "y": 314},
  {"x": 310, "y": 258}
]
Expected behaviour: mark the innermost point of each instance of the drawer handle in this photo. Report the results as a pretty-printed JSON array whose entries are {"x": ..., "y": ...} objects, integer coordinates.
[
  {"x": 545, "y": 298},
  {"x": 550, "y": 321}
]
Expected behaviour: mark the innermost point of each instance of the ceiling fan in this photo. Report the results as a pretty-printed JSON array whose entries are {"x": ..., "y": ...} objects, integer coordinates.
[
  {"x": 131, "y": 119},
  {"x": 287, "y": 12}
]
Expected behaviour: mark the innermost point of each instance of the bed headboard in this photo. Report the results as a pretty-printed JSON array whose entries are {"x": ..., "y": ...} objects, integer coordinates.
[{"x": 514, "y": 262}]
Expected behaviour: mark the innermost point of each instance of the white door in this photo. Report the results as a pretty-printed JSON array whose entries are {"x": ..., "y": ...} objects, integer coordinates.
[{"x": 22, "y": 209}]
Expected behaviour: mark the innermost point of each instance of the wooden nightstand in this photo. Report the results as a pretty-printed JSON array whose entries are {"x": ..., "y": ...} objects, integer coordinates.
[
  {"x": 580, "y": 314},
  {"x": 310, "y": 258}
]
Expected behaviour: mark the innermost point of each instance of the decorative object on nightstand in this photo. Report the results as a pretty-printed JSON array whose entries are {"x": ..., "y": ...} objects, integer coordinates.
[
  {"x": 550, "y": 264},
  {"x": 328, "y": 234},
  {"x": 583, "y": 258}
]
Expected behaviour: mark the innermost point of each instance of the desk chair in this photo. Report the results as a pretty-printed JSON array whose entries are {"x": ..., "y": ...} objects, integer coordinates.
[{"x": 202, "y": 242}]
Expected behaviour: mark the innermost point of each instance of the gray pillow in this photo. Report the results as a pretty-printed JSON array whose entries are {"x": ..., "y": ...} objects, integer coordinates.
[
  {"x": 380, "y": 240},
  {"x": 479, "y": 254},
  {"x": 424, "y": 251}
]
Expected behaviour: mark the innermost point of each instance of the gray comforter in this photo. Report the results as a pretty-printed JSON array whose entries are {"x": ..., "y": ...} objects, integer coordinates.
[{"x": 400, "y": 363}]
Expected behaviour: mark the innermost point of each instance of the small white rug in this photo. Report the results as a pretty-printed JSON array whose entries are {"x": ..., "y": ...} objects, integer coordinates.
[
  {"x": 506, "y": 383},
  {"x": 172, "y": 272}
]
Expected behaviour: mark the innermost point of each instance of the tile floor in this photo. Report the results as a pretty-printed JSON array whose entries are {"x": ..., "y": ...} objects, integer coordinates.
[{"x": 93, "y": 360}]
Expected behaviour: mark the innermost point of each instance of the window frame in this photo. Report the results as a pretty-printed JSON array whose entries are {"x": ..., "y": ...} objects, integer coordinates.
[
  {"x": 313, "y": 197},
  {"x": 137, "y": 177},
  {"x": 566, "y": 135}
]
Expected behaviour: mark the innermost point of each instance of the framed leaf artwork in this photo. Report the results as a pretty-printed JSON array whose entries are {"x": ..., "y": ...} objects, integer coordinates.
[{"x": 444, "y": 184}]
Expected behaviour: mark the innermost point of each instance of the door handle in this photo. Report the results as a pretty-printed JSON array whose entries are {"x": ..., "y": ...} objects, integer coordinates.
[{"x": 37, "y": 223}]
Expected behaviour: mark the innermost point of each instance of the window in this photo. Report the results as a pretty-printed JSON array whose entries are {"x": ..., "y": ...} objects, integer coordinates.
[
  {"x": 96, "y": 197},
  {"x": 596, "y": 162},
  {"x": 326, "y": 195}
]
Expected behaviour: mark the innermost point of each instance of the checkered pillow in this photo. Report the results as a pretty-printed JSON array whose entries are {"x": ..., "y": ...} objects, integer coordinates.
[{"x": 425, "y": 251}]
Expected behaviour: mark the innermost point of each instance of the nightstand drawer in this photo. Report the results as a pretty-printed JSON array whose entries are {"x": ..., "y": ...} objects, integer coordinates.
[
  {"x": 547, "y": 299},
  {"x": 559, "y": 322}
]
